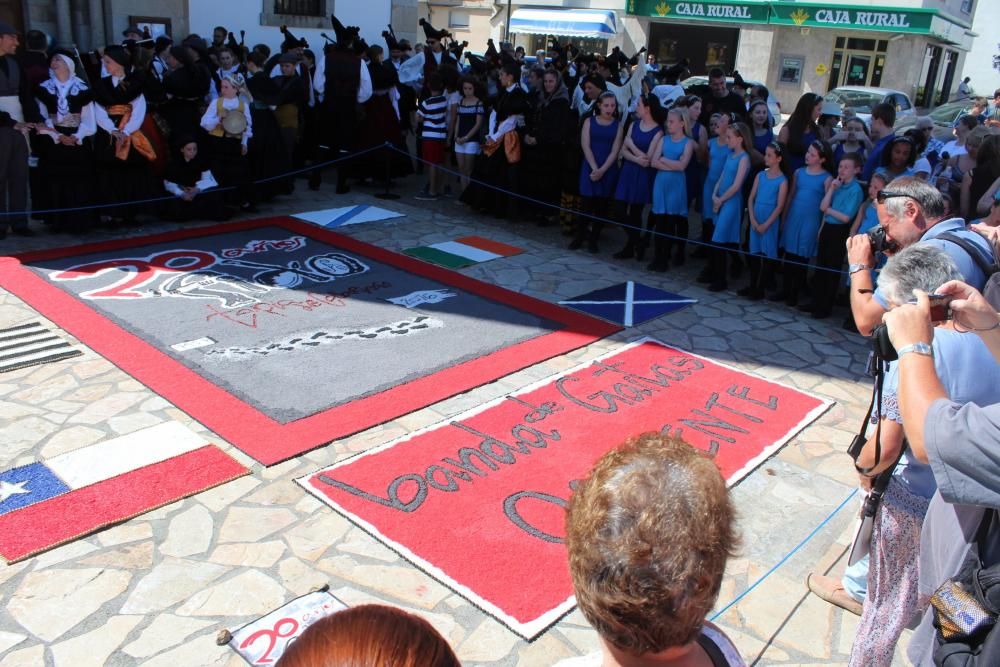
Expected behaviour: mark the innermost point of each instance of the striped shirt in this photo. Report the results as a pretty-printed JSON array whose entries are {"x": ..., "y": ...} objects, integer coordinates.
[{"x": 434, "y": 112}]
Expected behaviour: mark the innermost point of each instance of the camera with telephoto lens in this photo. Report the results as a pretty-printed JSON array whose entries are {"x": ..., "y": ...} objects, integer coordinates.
[{"x": 879, "y": 242}]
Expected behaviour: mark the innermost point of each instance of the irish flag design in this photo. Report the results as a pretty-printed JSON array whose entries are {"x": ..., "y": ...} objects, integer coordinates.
[{"x": 461, "y": 252}]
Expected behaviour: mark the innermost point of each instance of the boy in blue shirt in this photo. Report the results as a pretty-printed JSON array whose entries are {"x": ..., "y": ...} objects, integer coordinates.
[{"x": 840, "y": 206}]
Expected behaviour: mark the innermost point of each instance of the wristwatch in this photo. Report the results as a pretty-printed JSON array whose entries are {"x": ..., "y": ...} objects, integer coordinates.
[
  {"x": 916, "y": 348},
  {"x": 854, "y": 268}
]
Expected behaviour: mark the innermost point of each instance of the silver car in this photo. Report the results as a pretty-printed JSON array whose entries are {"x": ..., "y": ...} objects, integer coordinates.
[{"x": 862, "y": 99}]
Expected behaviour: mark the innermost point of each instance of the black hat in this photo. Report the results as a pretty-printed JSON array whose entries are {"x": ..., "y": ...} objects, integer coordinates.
[
  {"x": 404, "y": 45},
  {"x": 491, "y": 49},
  {"x": 7, "y": 29},
  {"x": 133, "y": 29},
  {"x": 431, "y": 33},
  {"x": 477, "y": 63},
  {"x": 346, "y": 35},
  {"x": 182, "y": 55},
  {"x": 118, "y": 54},
  {"x": 390, "y": 39},
  {"x": 456, "y": 49},
  {"x": 291, "y": 41},
  {"x": 288, "y": 58},
  {"x": 162, "y": 42}
]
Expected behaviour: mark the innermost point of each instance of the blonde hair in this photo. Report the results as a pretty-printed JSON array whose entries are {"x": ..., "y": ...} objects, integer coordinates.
[{"x": 682, "y": 113}]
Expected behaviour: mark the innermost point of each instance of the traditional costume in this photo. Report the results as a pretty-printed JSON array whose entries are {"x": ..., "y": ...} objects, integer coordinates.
[
  {"x": 16, "y": 106},
  {"x": 180, "y": 177},
  {"x": 342, "y": 83},
  {"x": 66, "y": 170},
  {"x": 229, "y": 124},
  {"x": 185, "y": 88},
  {"x": 123, "y": 162}
]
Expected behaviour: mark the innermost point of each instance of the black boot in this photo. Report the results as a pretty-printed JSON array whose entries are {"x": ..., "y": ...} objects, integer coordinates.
[
  {"x": 661, "y": 244},
  {"x": 717, "y": 264},
  {"x": 680, "y": 243},
  {"x": 704, "y": 251},
  {"x": 579, "y": 234}
]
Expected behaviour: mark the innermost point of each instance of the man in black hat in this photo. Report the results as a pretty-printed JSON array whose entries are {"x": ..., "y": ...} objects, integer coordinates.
[
  {"x": 17, "y": 111},
  {"x": 342, "y": 82},
  {"x": 430, "y": 59}
]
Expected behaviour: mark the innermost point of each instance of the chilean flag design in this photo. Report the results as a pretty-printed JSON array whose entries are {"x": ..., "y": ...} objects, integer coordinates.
[{"x": 51, "y": 502}]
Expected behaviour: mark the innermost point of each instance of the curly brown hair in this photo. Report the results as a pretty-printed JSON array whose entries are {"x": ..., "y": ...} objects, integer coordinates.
[{"x": 649, "y": 533}]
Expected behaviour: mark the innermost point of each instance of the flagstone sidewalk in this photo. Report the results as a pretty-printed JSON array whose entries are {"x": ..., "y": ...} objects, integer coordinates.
[{"x": 157, "y": 589}]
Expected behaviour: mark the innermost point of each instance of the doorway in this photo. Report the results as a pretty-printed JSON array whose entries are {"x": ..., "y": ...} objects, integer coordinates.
[
  {"x": 858, "y": 69},
  {"x": 857, "y": 62}
]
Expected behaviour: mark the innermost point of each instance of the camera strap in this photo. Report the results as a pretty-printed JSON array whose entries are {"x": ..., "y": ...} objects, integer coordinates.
[{"x": 875, "y": 406}]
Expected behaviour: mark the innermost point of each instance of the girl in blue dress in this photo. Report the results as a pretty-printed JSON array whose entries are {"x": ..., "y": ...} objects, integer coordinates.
[
  {"x": 718, "y": 151},
  {"x": 727, "y": 202},
  {"x": 635, "y": 184},
  {"x": 670, "y": 199},
  {"x": 601, "y": 141},
  {"x": 802, "y": 218},
  {"x": 767, "y": 201},
  {"x": 694, "y": 175}
]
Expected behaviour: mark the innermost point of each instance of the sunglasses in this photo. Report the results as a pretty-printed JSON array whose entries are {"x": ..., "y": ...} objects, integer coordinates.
[{"x": 886, "y": 194}]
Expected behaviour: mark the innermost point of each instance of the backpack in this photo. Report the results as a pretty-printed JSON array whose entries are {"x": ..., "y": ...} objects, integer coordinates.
[
  {"x": 991, "y": 288},
  {"x": 966, "y": 607}
]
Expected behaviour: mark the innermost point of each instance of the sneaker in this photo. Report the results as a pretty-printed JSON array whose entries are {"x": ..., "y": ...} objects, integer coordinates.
[{"x": 831, "y": 590}]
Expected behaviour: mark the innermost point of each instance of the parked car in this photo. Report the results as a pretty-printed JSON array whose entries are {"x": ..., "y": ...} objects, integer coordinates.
[
  {"x": 944, "y": 117},
  {"x": 698, "y": 85},
  {"x": 862, "y": 99}
]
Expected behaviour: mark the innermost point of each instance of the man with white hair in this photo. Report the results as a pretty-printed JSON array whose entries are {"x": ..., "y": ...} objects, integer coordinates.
[{"x": 911, "y": 211}]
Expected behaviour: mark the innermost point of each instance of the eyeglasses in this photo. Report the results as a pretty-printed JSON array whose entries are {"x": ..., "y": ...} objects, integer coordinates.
[{"x": 886, "y": 194}]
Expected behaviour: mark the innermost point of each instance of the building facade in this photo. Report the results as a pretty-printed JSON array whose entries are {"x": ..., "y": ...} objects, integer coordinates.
[
  {"x": 979, "y": 61},
  {"x": 88, "y": 24},
  {"x": 914, "y": 46}
]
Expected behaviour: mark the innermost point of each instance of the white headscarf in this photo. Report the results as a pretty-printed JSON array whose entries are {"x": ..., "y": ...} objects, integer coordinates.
[{"x": 62, "y": 90}]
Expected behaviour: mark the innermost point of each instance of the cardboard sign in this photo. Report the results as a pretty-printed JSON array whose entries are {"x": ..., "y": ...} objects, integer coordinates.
[
  {"x": 265, "y": 640},
  {"x": 478, "y": 501}
]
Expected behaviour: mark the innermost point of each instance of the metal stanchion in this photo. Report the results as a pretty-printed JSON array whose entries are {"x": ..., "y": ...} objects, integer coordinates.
[{"x": 388, "y": 175}]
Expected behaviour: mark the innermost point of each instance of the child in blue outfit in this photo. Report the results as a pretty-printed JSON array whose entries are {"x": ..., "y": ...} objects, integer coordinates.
[
  {"x": 727, "y": 203},
  {"x": 670, "y": 198},
  {"x": 840, "y": 206},
  {"x": 767, "y": 201}
]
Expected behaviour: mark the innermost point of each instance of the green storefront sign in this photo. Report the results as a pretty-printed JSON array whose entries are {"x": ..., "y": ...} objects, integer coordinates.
[
  {"x": 804, "y": 14},
  {"x": 851, "y": 17},
  {"x": 694, "y": 10}
]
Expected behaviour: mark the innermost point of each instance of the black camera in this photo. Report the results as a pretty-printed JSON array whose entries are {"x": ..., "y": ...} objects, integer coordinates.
[
  {"x": 882, "y": 347},
  {"x": 879, "y": 242}
]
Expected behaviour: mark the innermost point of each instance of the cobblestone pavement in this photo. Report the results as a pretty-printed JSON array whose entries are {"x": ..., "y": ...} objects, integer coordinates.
[{"x": 155, "y": 590}]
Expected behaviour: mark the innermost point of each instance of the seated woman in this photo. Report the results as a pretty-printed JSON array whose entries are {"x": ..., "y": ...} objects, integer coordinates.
[
  {"x": 189, "y": 179},
  {"x": 649, "y": 533},
  {"x": 371, "y": 635}
]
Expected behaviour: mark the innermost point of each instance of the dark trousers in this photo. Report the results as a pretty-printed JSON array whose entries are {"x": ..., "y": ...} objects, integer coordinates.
[
  {"x": 13, "y": 178},
  {"x": 794, "y": 270},
  {"x": 829, "y": 260}
]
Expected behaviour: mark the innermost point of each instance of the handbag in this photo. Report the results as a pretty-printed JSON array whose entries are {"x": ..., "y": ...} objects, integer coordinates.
[{"x": 966, "y": 608}]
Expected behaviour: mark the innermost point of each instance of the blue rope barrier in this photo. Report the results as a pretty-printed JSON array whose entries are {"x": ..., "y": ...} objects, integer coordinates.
[
  {"x": 786, "y": 557},
  {"x": 617, "y": 223},
  {"x": 227, "y": 188}
]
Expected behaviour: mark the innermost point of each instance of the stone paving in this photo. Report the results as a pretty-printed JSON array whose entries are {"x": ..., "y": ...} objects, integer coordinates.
[{"x": 156, "y": 590}]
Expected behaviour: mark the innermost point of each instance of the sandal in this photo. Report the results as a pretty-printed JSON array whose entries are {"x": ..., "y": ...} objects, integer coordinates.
[{"x": 831, "y": 590}]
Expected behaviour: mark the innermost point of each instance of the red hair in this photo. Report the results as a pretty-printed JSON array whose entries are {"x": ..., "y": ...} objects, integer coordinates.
[{"x": 370, "y": 636}]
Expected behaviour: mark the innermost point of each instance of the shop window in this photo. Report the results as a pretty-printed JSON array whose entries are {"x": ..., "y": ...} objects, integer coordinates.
[
  {"x": 835, "y": 67},
  {"x": 298, "y": 13},
  {"x": 966, "y": 7},
  {"x": 858, "y": 44},
  {"x": 155, "y": 26},
  {"x": 883, "y": 45},
  {"x": 840, "y": 42},
  {"x": 458, "y": 19}
]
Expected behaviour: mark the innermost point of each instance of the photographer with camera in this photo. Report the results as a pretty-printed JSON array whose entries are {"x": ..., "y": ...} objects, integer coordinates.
[
  {"x": 907, "y": 484},
  {"x": 960, "y": 443},
  {"x": 910, "y": 211}
]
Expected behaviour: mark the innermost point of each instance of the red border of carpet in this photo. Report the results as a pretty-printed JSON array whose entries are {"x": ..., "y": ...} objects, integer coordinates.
[{"x": 250, "y": 430}]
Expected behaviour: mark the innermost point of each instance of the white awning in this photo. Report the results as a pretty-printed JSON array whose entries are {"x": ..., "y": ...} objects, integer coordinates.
[{"x": 564, "y": 22}]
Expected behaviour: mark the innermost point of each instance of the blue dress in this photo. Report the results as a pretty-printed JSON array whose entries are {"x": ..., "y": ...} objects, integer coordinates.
[
  {"x": 763, "y": 206},
  {"x": 602, "y": 140},
  {"x": 635, "y": 183},
  {"x": 670, "y": 188},
  {"x": 729, "y": 219},
  {"x": 694, "y": 172},
  {"x": 717, "y": 155},
  {"x": 804, "y": 216},
  {"x": 795, "y": 162},
  {"x": 761, "y": 141}
]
